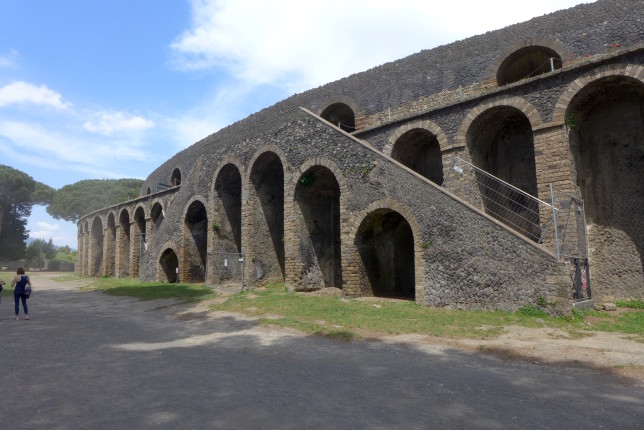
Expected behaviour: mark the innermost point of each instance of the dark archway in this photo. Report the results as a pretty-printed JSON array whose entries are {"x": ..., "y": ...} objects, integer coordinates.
[
  {"x": 385, "y": 242},
  {"x": 419, "y": 150},
  {"x": 526, "y": 63},
  {"x": 228, "y": 188},
  {"x": 195, "y": 243},
  {"x": 169, "y": 264},
  {"x": 267, "y": 218},
  {"x": 501, "y": 142},
  {"x": 175, "y": 179},
  {"x": 110, "y": 258},
  {"x": 96, "y": 248},
  {"x": 317, "y": 195},
  {"x": 148, "y": 192},
  {"x": 607, "y": 143},
  {"x": 156, "y": 215},
  {"x": 139, "y": 240},
  {"x": 340, "y": 115},
  {"x": 123, "y": 260}
]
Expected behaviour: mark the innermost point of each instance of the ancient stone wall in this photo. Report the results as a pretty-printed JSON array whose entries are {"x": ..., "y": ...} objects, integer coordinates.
[{"x": 312, "y": 205}]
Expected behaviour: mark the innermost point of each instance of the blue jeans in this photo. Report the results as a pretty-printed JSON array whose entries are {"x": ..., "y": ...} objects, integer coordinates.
[{"x": 17, "y": 296}]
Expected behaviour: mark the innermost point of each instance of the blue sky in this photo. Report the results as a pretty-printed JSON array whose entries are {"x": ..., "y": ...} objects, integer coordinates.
[{"x": 111, "y": 89}]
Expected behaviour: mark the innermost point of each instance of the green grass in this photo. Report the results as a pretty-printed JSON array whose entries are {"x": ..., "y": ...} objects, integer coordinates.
[
  {"x": 347, "y": 319},
  {"x": 633, "y": 304},
  {"x": 152, "y": 290},
  {"x": 350, "y": 318}
]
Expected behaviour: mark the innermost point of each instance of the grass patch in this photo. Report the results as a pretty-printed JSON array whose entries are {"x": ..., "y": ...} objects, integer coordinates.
[
  {"x": 633, "y": 304},
  {"x": 152, "y": 290},
  {"x": 351, "y": 318}
]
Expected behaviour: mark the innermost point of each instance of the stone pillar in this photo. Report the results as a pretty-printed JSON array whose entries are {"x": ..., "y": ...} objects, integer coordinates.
[{"x": 135, "y": 244}]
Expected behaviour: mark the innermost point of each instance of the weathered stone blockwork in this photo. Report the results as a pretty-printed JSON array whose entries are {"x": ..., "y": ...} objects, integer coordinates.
[{"x": 315, "y": 206}]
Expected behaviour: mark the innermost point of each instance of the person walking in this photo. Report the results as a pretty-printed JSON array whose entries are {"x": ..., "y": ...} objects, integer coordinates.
[{"x": 19, "y": 283}]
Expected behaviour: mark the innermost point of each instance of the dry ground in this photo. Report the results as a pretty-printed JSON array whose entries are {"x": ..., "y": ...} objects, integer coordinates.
[{"x": 617, "y": 353}]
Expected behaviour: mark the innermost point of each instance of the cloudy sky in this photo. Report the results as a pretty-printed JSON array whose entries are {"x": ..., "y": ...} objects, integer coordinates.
[{"x": 111, "y": 89}]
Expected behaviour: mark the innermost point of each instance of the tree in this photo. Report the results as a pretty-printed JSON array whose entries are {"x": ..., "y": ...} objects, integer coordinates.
[
  {"x": 36, "y": 253},
  {"x": 75, "y": 200},
  {"x": 49, "y": 249},
  {"x": 18, "y": 192}
]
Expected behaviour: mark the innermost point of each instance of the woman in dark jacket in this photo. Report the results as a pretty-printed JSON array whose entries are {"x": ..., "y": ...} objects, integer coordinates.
[{"x": 19, "y": 283}]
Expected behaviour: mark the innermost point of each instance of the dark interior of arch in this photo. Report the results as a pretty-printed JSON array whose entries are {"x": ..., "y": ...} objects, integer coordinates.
[
  {"x": 607, "y": 142},
  {"x": 96, "y": 247},
  {"x": 419, "y": 150},
  {"x": 139, "y": 239},
  {"x": 111, "y": 257},
  {"x": 386, "y": 245},
  {"x": 149, "y": 191},
  {"x": 156, "y": 214},
  {"x": 124, "y": 221},
  {"x": 228, "y": 187},
  {"x": 197, "y": 223},
  {"x": 169, "y": 263},
  {"x": 317, "y": 195},
  {"x": 175, "y": 179},
  {"x": 501, "y": 143},
  {"x": 527, "y": 62},
  {"x": 341, "y": 115},
  {"x": 267, "y": 178}
]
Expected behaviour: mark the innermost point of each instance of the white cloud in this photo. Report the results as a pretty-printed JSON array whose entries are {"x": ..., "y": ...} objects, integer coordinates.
[
  {"x": 21, "y": 92},
  {"x": 111, "y": 122},
  {"x": 42, "y": 226},
  {"x": 303, "y": 44}
]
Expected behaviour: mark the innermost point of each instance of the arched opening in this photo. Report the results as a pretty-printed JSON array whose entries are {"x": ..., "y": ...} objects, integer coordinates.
[
  {"x": 526, "y": 63},
  {"x": 110, "y": 258},
  {"x": 607, "y": 143},
  {"x": 149, "y": 191},
  {"x": 96, "y": 248},
  {"x": 266, "y": 202},
  {"x": 175, "y": 179},
  {"x": 228, "y": 188},
  {"x": 419, "y": 150},
  {"x": 195, "y": 246},
  {"x": 85, "y": 256},
  {"x": 123, "y": 260},
  {"x": 139, "y": 240},
  {"x": 169, "y": 264},
  {"x": 317, "y": 195},
  {"x": 386, "y": 245},
  {"x": 341, "y": 115},
  {"x": 501, "y": 142},
  {"x": 156, "y": 215}
]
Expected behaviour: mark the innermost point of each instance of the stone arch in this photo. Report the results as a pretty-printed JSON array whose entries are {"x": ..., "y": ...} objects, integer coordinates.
[
  {"x": 386, "y": 252},
  {"x": 123, "y": 239},
  {"x": 528, "y": 59},
  {"x": 168, "y": 263},
  {"x": 227, "y": 187},
  {"x": 157, "y": 215},
  {"x": 317, "y": 202},
  {"x": 265, "y": 220},
  {"x": 149, "y": 191},
  {"x": 614, "y": 70},
  {"x": 500, "y": 141},
  {"x": 340, "y": 111},
  {"x": 110, "y": 245},
  {"x": 96, "y": 247},
  {"x": 606, "y": 124},
  {"x": 176, "y": 177},
  {"x": 419, "y": 146},
  {"x": 138, "y": 238},
  {"x": 518, "y": 103},
  {"x": 194, "y": 248},
  {"x": 85, "y": 255}
]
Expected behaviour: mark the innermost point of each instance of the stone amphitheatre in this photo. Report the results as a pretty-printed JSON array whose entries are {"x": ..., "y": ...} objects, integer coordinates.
[{"x": 469, "y": 175}]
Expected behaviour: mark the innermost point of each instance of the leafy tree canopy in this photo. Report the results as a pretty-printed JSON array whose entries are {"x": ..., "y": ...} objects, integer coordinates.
[
  {"x": 17, "y": 187},
  {"x": 75, "y": 200}
]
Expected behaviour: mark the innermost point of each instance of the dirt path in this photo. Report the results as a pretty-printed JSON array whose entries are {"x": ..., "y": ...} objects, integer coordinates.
[{"x": 618, "y": 353}]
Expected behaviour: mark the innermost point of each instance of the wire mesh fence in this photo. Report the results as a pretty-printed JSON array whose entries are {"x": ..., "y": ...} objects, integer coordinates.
[{"x": 559, "y": 225}]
